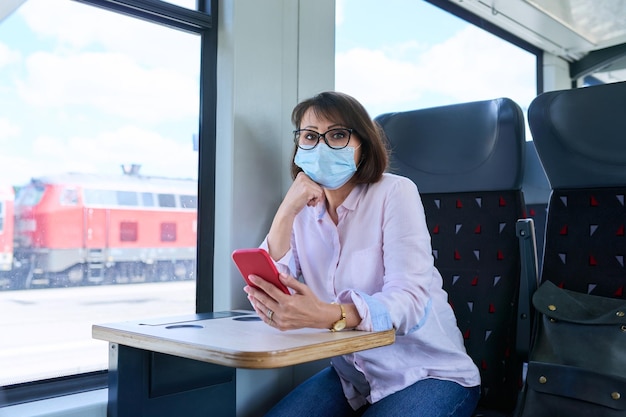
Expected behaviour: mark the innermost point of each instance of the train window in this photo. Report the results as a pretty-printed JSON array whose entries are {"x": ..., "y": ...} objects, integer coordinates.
[
  {"x": 29, "y": 195},
  {"x": 69, "y": 197},
  {"x": 100, "y": 197},
  {"x": 189, "y": 201},
  {"x": 102, "y": 99},
  {"x": 168, "y": 232},
  {"x": 422, "y": 56},
  {"x": 127, "y": 198},
  {"x": 128, "y": 231},
  {"x": 167, "y": 200},
  {"x": 147, "y": 199}
]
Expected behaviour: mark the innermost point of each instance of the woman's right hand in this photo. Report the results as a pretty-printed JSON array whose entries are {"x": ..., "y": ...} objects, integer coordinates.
[{"x": 303, "y": 192}]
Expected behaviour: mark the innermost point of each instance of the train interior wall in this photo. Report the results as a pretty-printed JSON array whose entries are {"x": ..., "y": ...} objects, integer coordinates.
[{"x": 258, "y": 87}]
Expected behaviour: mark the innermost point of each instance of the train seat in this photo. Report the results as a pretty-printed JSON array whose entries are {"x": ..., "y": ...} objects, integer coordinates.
[
  {"x": 583, "y": 151},
  {"x": 467, "y": 160},
  {"x": 585, "y": 243}
]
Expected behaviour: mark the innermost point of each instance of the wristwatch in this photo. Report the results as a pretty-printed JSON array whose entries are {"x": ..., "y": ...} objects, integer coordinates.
[{"x": 340, "y": 324}]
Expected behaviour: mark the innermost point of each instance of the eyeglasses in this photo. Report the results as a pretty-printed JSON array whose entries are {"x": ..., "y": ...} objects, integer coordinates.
[{"x": 335, "y": 138}]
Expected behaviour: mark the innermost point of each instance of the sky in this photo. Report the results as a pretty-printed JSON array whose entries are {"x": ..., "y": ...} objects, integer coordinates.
[
  {"x": 411, "y": 54},
  {"x": 78, "y": 96}
]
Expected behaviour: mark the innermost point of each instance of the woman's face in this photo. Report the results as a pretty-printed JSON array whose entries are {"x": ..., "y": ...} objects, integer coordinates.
[{"x": 321, "y": 125}]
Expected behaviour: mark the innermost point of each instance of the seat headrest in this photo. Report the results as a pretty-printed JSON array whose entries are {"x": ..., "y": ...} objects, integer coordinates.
[
  {"x": 475, "y": 146},
  {"x": 580, "y": 135}
]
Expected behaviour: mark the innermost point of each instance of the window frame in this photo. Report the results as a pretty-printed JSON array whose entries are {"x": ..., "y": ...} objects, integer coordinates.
[{"x": 203, "y": 22}]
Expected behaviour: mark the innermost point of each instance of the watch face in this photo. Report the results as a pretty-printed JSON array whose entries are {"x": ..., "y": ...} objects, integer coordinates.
[{"x": 340, "y": 325}]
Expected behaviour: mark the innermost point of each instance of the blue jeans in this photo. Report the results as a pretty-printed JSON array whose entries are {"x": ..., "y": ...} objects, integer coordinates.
[{"x": 322, "y": 396}]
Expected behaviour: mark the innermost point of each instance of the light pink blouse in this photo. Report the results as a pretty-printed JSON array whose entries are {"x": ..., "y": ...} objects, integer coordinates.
[{"x": 379, "y": 257}]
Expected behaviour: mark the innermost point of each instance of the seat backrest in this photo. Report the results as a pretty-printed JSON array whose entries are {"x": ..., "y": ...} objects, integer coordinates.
[
  {"x": 467, "y": 161},
  {"x": 581, "y": 141}
]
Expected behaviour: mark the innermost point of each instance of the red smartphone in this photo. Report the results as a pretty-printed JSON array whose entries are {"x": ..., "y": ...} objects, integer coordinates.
[{"x": 257, "y": 261}]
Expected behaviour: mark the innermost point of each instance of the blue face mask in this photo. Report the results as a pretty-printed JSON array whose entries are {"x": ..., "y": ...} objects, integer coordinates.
[{"x": 331, "y": 168}]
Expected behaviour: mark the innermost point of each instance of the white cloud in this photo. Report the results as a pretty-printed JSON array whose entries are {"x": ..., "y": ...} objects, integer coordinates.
[
  {"x": 112, "y": 83},
  {"x": 8, "y": 56},
  {"x": 103, "y": 153},
  {"x": 116, "y": 64},
  {"x": 376, "y": 79},
  {"x": 12, "y": 170},
  {"x": 472, "y": 65},
  {"x": 156, "y": 154},
  {"x": 78, "y": 26},
  {"x": 92, "y": 65},
  {"x": 8, "y": 130},
  {"x": 475, "y": 64}
]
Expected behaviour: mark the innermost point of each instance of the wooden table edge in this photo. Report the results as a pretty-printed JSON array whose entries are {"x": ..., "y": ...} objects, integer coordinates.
[{"x": 248, "y": 360}]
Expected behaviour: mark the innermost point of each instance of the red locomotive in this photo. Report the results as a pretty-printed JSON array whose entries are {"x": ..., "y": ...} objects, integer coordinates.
[
  {"x": 74, "y": 229},
  {"x": 6, "y": 235}
]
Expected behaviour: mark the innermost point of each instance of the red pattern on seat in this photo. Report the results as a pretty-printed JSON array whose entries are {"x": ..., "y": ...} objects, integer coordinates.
[
  {"x": 464, "y": 226},
  {"x": 586, "y": 252}
]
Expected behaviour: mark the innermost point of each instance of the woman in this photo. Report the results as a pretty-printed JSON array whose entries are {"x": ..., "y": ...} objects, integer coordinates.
[{"x": 357, "y": 239}]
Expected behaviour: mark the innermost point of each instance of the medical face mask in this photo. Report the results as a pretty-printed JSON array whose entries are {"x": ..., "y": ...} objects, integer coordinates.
[{"x": 331, "y": 168}]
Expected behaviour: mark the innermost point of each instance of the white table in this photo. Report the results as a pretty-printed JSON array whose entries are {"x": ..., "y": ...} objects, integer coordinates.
[{"x": 185, "y": 365}]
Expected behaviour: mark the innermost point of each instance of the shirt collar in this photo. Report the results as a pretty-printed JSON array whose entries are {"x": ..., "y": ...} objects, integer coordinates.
[
  {"x": 352, "y": 200},
  {"x": 350, "y": 203}
]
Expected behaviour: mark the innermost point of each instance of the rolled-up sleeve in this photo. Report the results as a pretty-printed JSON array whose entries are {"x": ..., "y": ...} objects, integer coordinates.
[{"x": 374, "y": 315}]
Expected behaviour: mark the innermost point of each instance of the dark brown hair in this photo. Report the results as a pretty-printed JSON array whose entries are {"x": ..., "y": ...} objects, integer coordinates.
[{"x": 347, "y": 111}]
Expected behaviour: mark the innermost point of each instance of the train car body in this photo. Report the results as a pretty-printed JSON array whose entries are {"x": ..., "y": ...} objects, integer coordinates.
[
  {"x": 81, "y": 228},
  {"x": 6, "y": 234}
]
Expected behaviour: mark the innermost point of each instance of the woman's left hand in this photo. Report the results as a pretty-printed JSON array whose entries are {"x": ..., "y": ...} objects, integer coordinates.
[{"x": 298, "y": 310}]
